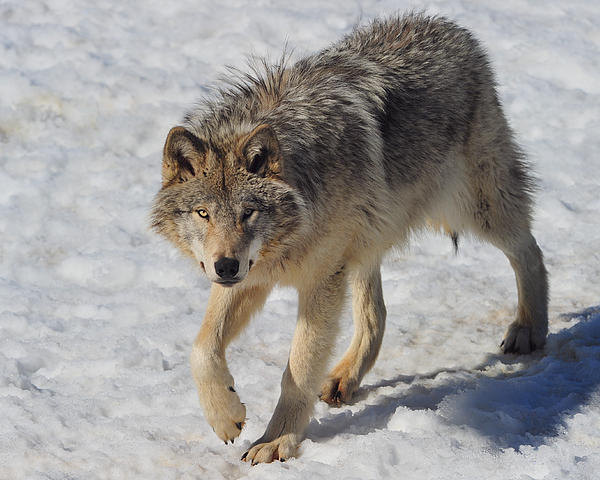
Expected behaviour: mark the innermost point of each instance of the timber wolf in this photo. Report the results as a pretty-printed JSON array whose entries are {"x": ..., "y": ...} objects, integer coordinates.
[{"x": 306, "y": 174}]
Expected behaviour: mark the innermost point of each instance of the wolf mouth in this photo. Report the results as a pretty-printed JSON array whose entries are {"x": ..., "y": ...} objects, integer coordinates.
[{"x": 227, "y": 283}]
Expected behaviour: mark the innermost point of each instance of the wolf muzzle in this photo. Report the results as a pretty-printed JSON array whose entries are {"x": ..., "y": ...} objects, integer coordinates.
[{"x": 227, "y": 268}]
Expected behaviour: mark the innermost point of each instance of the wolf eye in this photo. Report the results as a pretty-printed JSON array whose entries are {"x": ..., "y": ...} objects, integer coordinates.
[
  {"x": 247, "y": 213},
  {"x": 203, "y": 213}
]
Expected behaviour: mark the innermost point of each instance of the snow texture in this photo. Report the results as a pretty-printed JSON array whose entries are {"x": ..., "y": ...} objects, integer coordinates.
[{"x": 97, "y": 314}]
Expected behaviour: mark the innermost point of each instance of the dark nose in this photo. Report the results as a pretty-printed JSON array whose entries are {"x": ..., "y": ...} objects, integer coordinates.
[{"x": 227, "y": 268}]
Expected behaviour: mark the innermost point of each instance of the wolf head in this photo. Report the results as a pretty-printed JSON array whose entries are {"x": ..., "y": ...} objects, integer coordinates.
[{"x": 226, "y": 204}]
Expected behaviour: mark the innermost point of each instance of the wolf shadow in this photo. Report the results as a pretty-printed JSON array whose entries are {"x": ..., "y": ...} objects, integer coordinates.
[{"x": 522, "y": 407}]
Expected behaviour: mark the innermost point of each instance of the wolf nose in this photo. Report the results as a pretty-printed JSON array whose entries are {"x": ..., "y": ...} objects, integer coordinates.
[{"x": 227, "y": 268}]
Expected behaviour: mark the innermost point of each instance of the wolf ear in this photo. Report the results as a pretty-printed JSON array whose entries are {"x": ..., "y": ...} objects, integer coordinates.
[
  {"x": 183, "y": 156},
  {"x": 260, "y": 151}
]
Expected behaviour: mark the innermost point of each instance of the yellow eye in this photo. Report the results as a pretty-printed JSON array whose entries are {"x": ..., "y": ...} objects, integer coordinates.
[
  {"x": 203, "y": 213},
  {"x": 248, "y": 212}
]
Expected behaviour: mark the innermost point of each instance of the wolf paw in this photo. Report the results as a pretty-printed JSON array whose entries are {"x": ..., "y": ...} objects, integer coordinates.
[
  {"x": 281, "y": 449},
  {"x": 522, "y": 339},
  {"x": 337, "y": 390},
  {"x": 223, "y": 411}
]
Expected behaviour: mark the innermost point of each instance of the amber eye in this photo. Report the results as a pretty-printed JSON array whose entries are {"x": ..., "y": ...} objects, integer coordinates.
[
  {"x": 247, "y": 213},
  {"x": 203, "y": 213}
]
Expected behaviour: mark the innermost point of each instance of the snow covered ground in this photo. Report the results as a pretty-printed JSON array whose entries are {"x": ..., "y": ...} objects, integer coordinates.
[{"x": 97, "y": 314}]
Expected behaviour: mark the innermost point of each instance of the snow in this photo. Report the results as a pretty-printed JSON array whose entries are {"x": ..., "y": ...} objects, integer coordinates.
[{"x": 97, "y": 314}]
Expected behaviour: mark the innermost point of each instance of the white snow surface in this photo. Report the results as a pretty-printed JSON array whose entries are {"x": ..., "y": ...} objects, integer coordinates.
[{"x": 98, "y": 314}]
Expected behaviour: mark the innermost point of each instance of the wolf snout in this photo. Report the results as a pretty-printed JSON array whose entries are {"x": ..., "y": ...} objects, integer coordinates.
[{"x": 227, "y": 268}]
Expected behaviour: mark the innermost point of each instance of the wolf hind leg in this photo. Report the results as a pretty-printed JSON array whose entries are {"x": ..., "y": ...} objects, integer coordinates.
[
  {"x": 499, "y": 212},
  {"x": 528, "y": 332},
  {"x": 369, "y": 323},
  {"x": 507, "y": 227},
  {"x": 496, "y": 204}
]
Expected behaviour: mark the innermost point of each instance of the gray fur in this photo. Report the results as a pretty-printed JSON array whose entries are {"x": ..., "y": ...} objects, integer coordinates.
[{"x": 340, "y": 156}]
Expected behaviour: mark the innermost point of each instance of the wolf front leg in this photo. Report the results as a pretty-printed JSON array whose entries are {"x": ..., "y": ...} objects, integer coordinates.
[
  {"x": 228, "y": 311},
  {"x": 318, "y": 312}
]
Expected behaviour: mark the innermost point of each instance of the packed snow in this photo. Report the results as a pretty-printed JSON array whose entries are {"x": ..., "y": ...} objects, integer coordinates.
[{"x": 98, "y": 314}]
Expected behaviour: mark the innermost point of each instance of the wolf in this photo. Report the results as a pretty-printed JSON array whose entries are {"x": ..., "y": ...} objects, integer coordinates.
[{"x": 306, "y": 174}]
